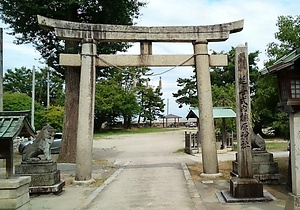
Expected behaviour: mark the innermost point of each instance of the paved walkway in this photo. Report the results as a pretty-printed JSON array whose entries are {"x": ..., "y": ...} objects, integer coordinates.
[{"x": 153, "y": 175}]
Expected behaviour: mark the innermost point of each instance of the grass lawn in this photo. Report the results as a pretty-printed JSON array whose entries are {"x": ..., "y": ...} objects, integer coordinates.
[{"x": 277, "y": 145}]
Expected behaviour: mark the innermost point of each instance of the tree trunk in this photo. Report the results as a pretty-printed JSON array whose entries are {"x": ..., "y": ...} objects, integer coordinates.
[{"x": 69, "y": 142}]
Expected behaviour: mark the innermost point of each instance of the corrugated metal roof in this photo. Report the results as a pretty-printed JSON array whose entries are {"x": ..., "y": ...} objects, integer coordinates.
[
  {"x": 14, "y": 123},
  {"x": 218, "y": 112}
]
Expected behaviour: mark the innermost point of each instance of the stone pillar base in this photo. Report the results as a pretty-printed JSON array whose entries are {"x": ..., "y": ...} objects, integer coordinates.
[
  {"x": 211, "y": 175},
  {"x": 292, "y": 202},
  {"x": 246, "y": 188},
  {"x": 14, "y": 193},
  {"x": 83, "y": 183}
]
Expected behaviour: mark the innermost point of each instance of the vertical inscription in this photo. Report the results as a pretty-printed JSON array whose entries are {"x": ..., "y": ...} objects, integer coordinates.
[{"x": 244, "y": 117}]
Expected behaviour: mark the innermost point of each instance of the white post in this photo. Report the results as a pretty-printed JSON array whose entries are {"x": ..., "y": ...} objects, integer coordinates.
[
  {"x": 33, "y": 97},
  {"x": 293, "y": 199},
  {"x": 48, "y": 88},
  {"x": 86, "y": 112}
]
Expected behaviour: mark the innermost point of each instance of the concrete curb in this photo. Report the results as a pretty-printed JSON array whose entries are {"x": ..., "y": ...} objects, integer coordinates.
[
  {"x": 192, "y": 188},
  {"x": 96, "y": 192}
]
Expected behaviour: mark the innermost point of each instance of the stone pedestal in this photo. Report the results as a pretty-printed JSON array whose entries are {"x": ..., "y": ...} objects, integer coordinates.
[
  {"x": 265, "y": 169},
  {"x": 246, "y": 188},
  {"x": 45, "y": 178},
  {"x": 14, "y": 193},
  {"x": 292, "y": 202}
]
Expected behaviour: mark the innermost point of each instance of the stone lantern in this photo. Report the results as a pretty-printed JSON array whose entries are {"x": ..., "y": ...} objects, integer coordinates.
[{"x": 287, "y": 70}]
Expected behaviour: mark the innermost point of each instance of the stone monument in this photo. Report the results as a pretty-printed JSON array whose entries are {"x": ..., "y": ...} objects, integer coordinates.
[
  {"x": 45, "y": 178},
  {"x": 244, "y": 188}
]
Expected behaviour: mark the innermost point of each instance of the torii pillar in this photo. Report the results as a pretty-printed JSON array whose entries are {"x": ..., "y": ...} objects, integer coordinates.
[
  {"x": 84, "y": 149},
  {"x": 206, "y": 121}
]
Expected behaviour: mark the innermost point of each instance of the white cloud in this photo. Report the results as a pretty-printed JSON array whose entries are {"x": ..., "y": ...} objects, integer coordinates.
[{"x": 16, "y": 56}]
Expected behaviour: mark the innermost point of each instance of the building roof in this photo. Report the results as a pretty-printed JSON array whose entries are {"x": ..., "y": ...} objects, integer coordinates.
[
  {"x": 284, "y": 62},
  {"x": 13, "y": 124},
  {"x": 218, "y": 112},
  {"x": 172, "y": 116}
]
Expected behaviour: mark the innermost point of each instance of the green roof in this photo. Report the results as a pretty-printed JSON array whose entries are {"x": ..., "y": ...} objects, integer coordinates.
[
  {"x": 285, "y": 61},
  {"x": 13, "y": 124},
  {"x": 218, "y": 112}
]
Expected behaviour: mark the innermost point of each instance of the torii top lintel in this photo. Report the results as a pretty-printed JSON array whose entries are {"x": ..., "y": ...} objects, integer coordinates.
[{"x": 124, "y": 33}]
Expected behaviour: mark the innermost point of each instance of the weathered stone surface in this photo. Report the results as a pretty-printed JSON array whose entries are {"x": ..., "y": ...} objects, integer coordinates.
[
  {"x": 125, "y": 33},
  {"x": 204, "y": 95},
  {"x": 243, "y": 110},
  {"x": 263, "y": 166},
  {"x": 35, "y": 168},
  {"x": 86, "y": 111},
  {"x": 14, "y": 193},
  {"x": 14, "y": 182},
  {"x": 262, "y": 156},
  {"x": 224, "y": 196},
  {"x": 45, "y": 179},
  {"x": 142, "y": 60},
  {"x": 292, "y": 202},
  {"x": 56, "y": 188},
  {"x": 246, "y": 188},
  {"x": 14, "y": 203}
]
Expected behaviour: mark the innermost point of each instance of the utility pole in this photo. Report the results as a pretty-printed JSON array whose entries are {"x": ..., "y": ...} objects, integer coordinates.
[
  {"x": 167, "y": 106},
  {"x": 48, "y": 89},
  {"x": 33, "y": 97},
  {"x": 1, "y": 69}
]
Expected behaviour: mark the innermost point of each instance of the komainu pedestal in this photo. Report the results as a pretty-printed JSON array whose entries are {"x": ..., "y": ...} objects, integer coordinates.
[
  {"x": 265, "y": 169},
  {"x": 45, "y": 178}
]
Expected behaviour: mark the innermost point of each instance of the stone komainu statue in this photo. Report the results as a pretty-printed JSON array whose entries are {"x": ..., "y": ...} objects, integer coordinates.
[
  {"x": 40, "y": 145},
  {"x": 257, "y": 142}
]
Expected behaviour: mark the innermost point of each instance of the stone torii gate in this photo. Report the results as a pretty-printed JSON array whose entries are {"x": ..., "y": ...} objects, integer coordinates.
[{"x": 91, "y": 34}]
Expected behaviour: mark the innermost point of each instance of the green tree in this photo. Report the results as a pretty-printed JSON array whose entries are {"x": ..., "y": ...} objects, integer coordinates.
[
  {"x": 20, "y": 80},
  {"x": 264, "y": 108},
  {"x": 287, "y": 35},
  {"x": 108, "y": 102},
  {"x": 151, "y": 105},
  {"x": 53, "y": 116},
  {"x": 188, "y": 93},
  {"x": 223, "y": 96},
  {"x": 266, "y": 101},
  {"x": 21, "y": 17},
  {"x": 220, "y": 77},
  {"x": 22, "y": 102}
]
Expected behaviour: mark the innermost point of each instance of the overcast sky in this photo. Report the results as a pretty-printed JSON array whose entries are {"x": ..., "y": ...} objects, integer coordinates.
[{"x": 260, "y": 17}]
